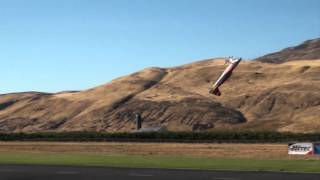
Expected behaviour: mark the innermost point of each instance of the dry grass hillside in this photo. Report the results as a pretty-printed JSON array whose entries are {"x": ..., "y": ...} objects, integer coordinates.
[{"x": 282, "y": 97}]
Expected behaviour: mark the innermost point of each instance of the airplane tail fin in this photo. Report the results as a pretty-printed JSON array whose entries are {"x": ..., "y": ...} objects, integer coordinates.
[{"x": 215, "y": 91}]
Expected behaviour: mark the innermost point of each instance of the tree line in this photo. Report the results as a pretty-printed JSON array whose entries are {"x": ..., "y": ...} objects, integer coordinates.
[{"x": 192, "y": 137}]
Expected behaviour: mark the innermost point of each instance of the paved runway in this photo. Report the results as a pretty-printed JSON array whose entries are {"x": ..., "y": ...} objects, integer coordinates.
[{"x": 39, "y": 172}]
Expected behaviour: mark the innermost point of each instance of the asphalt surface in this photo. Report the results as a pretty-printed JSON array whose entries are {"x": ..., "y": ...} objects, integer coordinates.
[{"x": 41, "y": 172}]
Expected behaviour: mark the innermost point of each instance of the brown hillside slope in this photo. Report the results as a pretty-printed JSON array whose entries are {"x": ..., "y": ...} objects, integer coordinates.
[
  {"x": 282, "y": 97},
  {"x": 308, "y": 50}
]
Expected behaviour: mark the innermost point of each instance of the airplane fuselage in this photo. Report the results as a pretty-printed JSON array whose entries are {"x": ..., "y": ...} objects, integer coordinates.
[
  {"x": 224, "y": 76},
  {"x": 227, "y": 73}
]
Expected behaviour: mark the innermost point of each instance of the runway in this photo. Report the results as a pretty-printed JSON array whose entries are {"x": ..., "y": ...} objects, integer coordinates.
[{"x": 45, "y": 172}]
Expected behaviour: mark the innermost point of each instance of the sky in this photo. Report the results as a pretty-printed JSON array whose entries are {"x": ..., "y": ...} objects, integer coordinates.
[{"x": 57, "y": 45}]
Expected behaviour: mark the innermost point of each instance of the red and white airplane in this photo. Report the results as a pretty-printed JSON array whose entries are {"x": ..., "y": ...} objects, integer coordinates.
[{"x": 233, "y": 63}]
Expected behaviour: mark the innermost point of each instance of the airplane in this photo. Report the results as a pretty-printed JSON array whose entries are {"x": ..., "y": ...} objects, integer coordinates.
[{"x": 233, "y": 63}]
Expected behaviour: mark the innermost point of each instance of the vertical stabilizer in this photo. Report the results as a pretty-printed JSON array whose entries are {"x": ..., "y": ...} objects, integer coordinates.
[{"x": 215, "y": 91}]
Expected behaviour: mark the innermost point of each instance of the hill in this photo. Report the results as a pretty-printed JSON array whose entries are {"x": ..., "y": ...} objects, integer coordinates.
[
  {"x": 259, "y": 96},
  {"x": 309, "y": 50},
  {"x": 283, "y": 97}
]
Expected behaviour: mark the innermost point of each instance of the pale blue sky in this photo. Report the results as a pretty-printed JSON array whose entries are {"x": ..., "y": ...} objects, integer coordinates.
[{"x": 55, "y": 45}]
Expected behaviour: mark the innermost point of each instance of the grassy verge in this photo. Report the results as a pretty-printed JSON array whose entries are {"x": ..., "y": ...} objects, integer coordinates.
[{"x": 152, "y": 161}]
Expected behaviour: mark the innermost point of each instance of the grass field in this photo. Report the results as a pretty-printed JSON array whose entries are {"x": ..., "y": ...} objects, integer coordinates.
[{"x": 155, "y": 155}]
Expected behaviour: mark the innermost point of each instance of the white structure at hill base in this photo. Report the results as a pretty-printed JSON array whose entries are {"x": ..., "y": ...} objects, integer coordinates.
[{"x": 301, "y": 148}]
